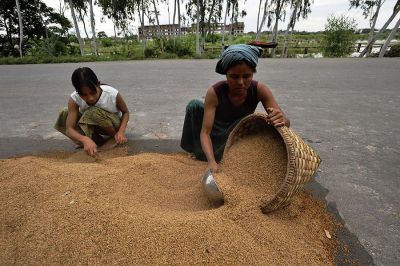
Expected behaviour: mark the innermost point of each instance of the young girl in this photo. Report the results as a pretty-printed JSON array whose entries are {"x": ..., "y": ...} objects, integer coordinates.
[{"x": 94, "y": 110}]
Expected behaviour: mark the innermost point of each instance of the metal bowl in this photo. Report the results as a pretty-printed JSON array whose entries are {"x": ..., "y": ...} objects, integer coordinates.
[{"x": 211, "y": 189}]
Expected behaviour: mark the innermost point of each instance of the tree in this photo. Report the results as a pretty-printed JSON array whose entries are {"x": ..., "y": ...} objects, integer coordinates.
[
  {"x": 389, "y": 38},
  {"x": 93, "y": 28},
  {"x": 82, "y": 12},
  {"x": 266, "y": 14},
  {"x": 301, "y": 8},
  {"x": 370, "y": 44},
  {"x": 370, "y": 9},
  {"x": 158, "y": 25},
  {"x": 179, "y": 17},
  {"x": 198, "y": 51},
  {"x": 21, "y": 31},
  {"x": 205, "y": 9},
  {"x": 279, "y": 11},
  {"x": 35, "y": 16},
  {"x": 224, "y": 26},
  {"x": 338, "y": 36},
  {"x": 78, "y": 34}
]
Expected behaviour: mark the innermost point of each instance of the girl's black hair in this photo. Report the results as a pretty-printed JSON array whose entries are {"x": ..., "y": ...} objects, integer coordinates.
[{"x": 84, "y": 76}]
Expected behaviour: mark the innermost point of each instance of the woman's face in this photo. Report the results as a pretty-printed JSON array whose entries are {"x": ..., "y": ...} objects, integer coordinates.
[
  {"x": 89, "y": 96},
  {"x": 239, "y": 78}
]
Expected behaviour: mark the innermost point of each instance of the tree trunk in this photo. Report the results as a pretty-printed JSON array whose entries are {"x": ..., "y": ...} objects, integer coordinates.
[
  {"x": 173, "y": 24},
  {"x": 223, "y": 29},
  {"x": 210, "y": 17},
  {"x": 158, "y": 26},
  {"x": 391, "y": 36},
  {"x": 291, "y": 24},
  {"x": 232, "y": 19},
  {"x": 376, "y": 36},
  {"x": 258, "y": 21},
  {"x": 82, "y": 18},
  {"x": 203, "y": 24},
  {"x": 263, "y": 19},
  {"x": 92, "y": 22},
  {"x": 275, "y": 31},
  {"x": 179, "y": 19},
  {"x": 141, "y": 20},
  {"x": 198, "y": 52},
  {"x": 374, "y": 19},
  {"x": 78, "y": 34},
  {"x": 21, "y": 30}
]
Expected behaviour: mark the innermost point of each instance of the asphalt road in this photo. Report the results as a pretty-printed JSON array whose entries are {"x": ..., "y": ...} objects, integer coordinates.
[{"x": 347, "y": 109}]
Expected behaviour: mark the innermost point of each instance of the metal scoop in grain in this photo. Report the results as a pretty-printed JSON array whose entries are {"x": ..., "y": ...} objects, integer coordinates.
[{"x": 211, "y": 189}]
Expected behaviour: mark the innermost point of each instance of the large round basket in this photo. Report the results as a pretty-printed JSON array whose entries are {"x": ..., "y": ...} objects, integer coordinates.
[{"x": 301, "y": 164}]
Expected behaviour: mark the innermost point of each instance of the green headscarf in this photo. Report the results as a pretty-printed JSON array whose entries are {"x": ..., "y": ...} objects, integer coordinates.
[{"x": 238, "y": 52}]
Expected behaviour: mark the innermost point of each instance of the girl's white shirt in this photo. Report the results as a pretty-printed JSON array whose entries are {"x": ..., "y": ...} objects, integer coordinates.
[{"x": 107, "y": 100}]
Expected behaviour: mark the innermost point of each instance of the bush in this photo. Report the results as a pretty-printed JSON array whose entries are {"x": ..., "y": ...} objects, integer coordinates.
[
  {"x": 182, "y": 47},
  {"x": 394, "y": 51},
  {"x": 106, "y": 42},
  {"x": 338, "y": 37},
  {"x": 151, "y": 52}
]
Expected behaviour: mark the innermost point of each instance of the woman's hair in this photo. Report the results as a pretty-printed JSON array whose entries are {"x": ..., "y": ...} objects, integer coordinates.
[
  {"x": 239, "y": 62},
  {"x": 84, "y": 76}
]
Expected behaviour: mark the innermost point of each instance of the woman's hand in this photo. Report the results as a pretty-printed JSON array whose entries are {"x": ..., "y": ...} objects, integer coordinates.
[
  {"x": 120, "y": 138},
  {"x": 213, "y": 166},
  {"x": 276, "y": 117},
  {"x": 90, "y": 147}
]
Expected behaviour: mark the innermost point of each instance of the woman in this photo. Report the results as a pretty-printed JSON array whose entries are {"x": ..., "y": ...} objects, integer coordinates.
[
  {"x": 94, "y": 110},
  {"x": 207, "y": 126}
]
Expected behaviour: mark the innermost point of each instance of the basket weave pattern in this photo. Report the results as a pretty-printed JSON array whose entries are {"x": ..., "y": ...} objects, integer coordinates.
[{"x": 302, "y": 159}]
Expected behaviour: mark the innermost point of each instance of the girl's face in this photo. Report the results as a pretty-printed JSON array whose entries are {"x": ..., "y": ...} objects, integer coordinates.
[
  {"x": 89, "y": 96},
  {"x": 239, "y": 79}
]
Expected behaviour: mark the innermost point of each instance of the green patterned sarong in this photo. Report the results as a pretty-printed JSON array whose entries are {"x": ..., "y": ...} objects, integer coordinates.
[{"x": 89, "y": 121}]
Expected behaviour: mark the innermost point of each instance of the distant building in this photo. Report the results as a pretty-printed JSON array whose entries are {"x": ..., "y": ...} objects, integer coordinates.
[
  {"x": 150, "y": 31},
  {"x": 166, "y": 30},
  {"x": 236, "y": 28}
]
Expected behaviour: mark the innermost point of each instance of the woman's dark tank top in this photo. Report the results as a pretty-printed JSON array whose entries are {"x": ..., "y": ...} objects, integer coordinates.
[{"x": 226, "y": 111}]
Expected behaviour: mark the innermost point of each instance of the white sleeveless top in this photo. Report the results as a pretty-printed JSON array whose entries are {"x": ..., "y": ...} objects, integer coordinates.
[{"x": 107, "y": 100}]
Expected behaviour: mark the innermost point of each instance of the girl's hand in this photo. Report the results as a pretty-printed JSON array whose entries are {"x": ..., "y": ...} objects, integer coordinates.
[
  {"x": 120, "y": 138},
  {"x": 213, "y": 166},
  {"x": 276, "y": 117},
  {"x": 90, "y": 147}
]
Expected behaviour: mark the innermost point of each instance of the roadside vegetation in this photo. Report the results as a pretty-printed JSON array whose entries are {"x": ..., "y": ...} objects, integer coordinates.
[{"x": 31, "y": 32}]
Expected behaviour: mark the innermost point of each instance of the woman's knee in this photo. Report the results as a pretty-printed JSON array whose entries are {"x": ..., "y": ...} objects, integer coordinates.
[{"x": 194, "y": 105}]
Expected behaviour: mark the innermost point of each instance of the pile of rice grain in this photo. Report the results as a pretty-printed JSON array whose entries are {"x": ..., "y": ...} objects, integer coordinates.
[
  {"x": 253, "y": 168},
  {"x": 146, "y": 209}
]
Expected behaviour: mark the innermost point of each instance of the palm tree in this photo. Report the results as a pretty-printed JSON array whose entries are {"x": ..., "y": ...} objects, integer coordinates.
[
  {"x": 93, "y": 28},
  {"x": 21, "y": 31},
  {"x": 78, "y": 34}
]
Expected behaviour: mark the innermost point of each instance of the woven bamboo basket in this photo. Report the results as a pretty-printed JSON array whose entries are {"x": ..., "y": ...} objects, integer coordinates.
[{"x": 301, "y": 164}]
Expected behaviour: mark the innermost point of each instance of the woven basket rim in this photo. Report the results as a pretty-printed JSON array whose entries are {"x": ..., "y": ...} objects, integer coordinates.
[{"x": 287, "y": 189}]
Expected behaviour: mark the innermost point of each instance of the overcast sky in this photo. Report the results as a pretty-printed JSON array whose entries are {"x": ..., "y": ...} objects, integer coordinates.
[{"x": 320, "y": 10}]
